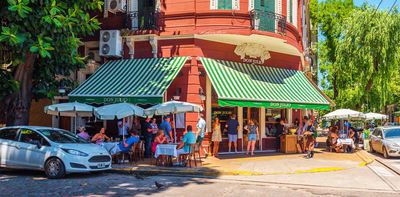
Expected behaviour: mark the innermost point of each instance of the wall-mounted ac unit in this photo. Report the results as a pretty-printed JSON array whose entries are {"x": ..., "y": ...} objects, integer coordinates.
[
  {"x": 116, "y": 6},
  {"x": 93, "y": 54},
  {"x": 110, "y": 43}
]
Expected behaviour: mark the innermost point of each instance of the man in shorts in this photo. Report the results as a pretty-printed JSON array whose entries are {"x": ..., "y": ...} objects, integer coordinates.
[
  {"x": 232, "y": 126},
  {"x": 201, "y": 129}
]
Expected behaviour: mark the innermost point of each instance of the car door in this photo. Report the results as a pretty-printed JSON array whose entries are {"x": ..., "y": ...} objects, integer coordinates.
[
  {"x": 8, "y": 146},
  {"x": 379, "y": 142},
  {"x": 374, "y": 139},
  {"x": 32, "y": 149}
]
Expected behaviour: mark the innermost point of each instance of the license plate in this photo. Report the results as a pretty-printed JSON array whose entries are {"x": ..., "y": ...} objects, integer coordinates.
[{"x": 101, "y": 165}]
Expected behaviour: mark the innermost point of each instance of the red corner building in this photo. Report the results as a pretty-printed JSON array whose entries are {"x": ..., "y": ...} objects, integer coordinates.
[{"x": 243, "y": 57}]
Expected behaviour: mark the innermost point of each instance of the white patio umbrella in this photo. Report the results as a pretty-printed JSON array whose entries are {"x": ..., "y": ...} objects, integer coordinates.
[
  {"x": 173, "y": 107},
  {"x": 118, "y": 111},
  {"x": 372, "y": 116},
  {"x": 73, "y": 109},
  {"x": 343, "y": 114}
]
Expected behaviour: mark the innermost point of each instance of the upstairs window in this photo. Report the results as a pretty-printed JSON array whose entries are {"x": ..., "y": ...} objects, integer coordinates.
[{"x": 224, "y": 4}]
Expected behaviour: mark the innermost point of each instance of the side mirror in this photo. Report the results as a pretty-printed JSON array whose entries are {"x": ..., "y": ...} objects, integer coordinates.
[{"x": 38, "y": 145}]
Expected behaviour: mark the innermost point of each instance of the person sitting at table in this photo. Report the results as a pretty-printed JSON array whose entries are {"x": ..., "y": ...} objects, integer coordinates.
[
  {"x": 159, "y": 139},
  {"x": 188, "y": 139},
  {"x": 83, "y": 134},
  {"x": 100, "y": 137},
  {"x": 352, "y": 136},
  {"x": 334, "y": 136},
  {"x": 124, "y": 146}
]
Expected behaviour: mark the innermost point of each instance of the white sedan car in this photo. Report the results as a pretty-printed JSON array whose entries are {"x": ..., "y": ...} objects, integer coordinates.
[
  {"x": 386, "y": 140},
  {"x": 57, "y": 152}
]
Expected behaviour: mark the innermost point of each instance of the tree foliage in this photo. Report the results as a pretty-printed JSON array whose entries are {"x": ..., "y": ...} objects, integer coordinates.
[
  {"x": 368, "y": 59},
  {"x": 38, "y": 42},
  {"x": 329, "y": 16}
]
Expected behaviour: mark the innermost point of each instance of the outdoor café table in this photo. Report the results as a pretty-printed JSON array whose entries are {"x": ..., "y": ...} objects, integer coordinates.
[
  {"x": 346, "y": 142},
  {"x": 168, "y": 150}
]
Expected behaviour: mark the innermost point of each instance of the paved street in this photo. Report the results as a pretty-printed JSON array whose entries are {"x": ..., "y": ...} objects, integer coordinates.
[{"x": 372, "y": 180}]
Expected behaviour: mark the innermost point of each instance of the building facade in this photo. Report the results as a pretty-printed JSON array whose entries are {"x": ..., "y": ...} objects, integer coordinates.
[{"x": 243, "y": 57}]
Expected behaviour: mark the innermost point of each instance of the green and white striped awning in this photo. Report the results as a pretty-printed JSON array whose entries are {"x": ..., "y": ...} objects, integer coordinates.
[
  {"x": 141, "y": 81},
  {"x": 248, "y": 85}
]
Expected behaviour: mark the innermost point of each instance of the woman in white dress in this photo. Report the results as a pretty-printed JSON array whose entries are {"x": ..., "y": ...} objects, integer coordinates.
[{"x": 216, "y": 137}]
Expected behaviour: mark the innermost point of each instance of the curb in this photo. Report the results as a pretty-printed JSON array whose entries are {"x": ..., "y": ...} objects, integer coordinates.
[
  {"x": 153, "y": 172},
  {"x": 366, "y": 159},
  {"x": 207, "y": 173},
  {"x": 395, "y": 170}
]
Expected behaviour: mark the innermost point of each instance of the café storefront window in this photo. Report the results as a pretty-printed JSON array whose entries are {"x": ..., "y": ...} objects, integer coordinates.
[{"x": 272, "y": 117}]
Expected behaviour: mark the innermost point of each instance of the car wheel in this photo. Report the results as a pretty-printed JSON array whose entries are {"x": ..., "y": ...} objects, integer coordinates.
[
  {"x": 370, "y": 148},
  {"x": 385, "y": 153},
  {"x": 54, "y": 168}
]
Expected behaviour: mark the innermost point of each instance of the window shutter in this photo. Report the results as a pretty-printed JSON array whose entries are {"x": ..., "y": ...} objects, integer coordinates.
[
  {"x": 294, "y": 11},
  {"x": 251, "y": 5},
  {"x": 278, "y": 6},
  {"x": 290, "y": 10},
  {"x": 235, "y": 5},
  {"x": 213, "y": 4}
]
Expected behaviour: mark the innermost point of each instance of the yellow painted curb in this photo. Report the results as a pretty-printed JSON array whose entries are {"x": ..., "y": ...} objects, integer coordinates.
[{"x": 315, "y": 170}]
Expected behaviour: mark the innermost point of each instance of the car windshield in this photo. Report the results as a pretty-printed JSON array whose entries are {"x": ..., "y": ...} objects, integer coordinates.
[
  {"x": 60, "y": 136},
  {"x": 392, "y": 133}
]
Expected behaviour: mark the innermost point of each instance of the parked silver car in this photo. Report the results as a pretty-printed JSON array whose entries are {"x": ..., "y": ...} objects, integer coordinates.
[
  {"x": 57, "y": 152},
  {"x": 386, "y": 140}
]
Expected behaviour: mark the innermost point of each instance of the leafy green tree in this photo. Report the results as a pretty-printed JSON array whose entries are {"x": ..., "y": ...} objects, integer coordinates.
[
  {"x": 367, "y": 59},
  {"x": 328, "y": 16},
  {"x": 38, "y": 43}
]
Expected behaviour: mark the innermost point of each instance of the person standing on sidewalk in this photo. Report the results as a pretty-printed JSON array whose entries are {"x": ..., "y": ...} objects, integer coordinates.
[
  {"x": 366, "y": 134},
  {"x": 148, "y": 137},
  {"x": 252, "y": 129},
  {"x": 280, "y": 130},
  {"x": 201, "y": 129},
  {"x": 310, "y": 135},
  {"x": 154, "y": 126},
  {"x": 216, "y": 136},
  {"x": 232, "y": 126}
]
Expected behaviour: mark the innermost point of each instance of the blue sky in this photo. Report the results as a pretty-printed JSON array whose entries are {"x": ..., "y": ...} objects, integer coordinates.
[{"x": 386, "y": 4}]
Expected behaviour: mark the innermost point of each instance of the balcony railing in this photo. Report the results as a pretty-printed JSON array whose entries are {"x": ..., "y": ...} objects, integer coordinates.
[
  {"x": 143, "y": 20},
  {"x": 268, "y": 21}
]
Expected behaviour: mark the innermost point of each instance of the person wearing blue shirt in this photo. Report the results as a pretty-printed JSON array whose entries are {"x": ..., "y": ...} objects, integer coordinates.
[
  {"x": 124, "y": 146},
  {"x": 166, "y": 127},
  {"x": 347, "y": 125},
  {"x": 232, "y": 126},
  {"x": 188, "y": 139}
]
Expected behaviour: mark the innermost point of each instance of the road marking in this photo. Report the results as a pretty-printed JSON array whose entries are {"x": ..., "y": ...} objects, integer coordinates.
[{"x": 381, "y": 171}]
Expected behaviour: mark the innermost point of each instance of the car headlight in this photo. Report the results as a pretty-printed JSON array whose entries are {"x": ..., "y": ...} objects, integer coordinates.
[
  {"x": 394, "y": 145},
  {"x": 75, "y": 152}
]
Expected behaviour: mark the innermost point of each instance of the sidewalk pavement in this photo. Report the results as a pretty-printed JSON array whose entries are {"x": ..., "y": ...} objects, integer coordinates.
[{"x": 261, "y": 164}]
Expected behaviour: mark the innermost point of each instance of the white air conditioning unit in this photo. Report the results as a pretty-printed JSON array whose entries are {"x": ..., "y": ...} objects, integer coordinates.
[
  {"x": 110, "y": 43},
  {"x": 93, "y": 54},
  {"x": 116, "y": 6}
]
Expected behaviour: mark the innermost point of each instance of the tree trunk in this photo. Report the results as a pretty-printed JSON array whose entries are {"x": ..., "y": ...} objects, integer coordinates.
[
  {"x": 335, "y": 90},
  {"x": 368, "y": 87},
  {"x": 18, "y": 104}
]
